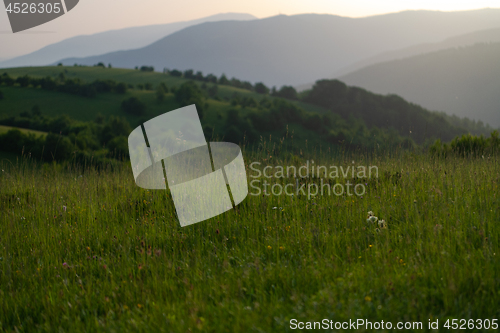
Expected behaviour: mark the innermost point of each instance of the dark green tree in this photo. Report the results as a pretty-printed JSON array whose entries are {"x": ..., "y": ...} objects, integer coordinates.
[
  {"x": 189, "y": 93},
  {"x": 121, "y": 88},
  {"x": 134, "y": 106},
  {"x": 161, "y": 91},
  {"x": 287, "y": 92},
  {"x": 261, "y": 88},
  {"x": 189, "y": 74},
  {"x": 223, "y": 80}
]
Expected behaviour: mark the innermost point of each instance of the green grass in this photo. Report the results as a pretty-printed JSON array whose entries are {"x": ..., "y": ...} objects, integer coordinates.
[
  {"x": 5, "y": 129},
  {"x": 117, "y": 260}
]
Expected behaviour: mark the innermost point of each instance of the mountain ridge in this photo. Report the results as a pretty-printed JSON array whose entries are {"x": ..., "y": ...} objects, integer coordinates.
[
  {"x": 290, "y": 50},
  {"x": 109, "y": 41},
  {"x": 463, "y": 81}
]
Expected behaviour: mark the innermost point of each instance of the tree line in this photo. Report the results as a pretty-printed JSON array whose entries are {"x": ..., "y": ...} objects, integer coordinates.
[
  {"x": 73, "y": 86},
  {"x": 103, "y": 139}
]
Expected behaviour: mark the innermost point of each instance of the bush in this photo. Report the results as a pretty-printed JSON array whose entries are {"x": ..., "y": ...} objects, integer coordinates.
[
  {"x": 121, "y": 88},
  {"x": 57, "y": 147},
  {"x": 133, "y": 106},
  {"x": 467, "y": 145},
  {"x": 35, "y": 110},
  {"x": 118, "y": 147},
  {"x": 114, "y": 127},
  {"x": 147, "y": 69}
]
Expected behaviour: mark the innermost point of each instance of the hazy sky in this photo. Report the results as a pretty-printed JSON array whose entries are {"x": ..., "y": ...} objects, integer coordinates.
[{"x": 91, "y": 16}]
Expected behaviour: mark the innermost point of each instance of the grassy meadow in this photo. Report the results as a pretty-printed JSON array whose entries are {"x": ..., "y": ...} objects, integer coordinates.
[
  {"x": 83, "y": 249},
  {"x": 86, "y": 250}
]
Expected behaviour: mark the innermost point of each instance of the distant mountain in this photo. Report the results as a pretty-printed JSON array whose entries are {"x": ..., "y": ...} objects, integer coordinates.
[
  {"x": 295, "y": 49},
  {"x": 483, "y": 36},
  {"x": 462, "y": 81},
  {"x": 109, "y": 41}
]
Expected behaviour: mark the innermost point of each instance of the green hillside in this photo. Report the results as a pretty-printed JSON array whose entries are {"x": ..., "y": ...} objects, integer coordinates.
[
  {"x": 5, "y": 129},
  {"x": 95, "y": 98}
]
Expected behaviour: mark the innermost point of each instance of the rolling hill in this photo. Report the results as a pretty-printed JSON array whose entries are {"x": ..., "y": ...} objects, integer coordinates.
[
  {"x": 462, "y": 81},
  {"x": 294, "y": 49},
  {"x": 109, "y": 41},
  {"x": 330, "y": 114}
]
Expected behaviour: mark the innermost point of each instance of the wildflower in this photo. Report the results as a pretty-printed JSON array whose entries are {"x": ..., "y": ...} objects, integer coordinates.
[
  {"x": 282, "y": 247},
  {"x": 275, "y": 207},
  {"x": 368, "y": 299},
  {"x": 65, "y": 264},
  {"x": 370, "y": 213},
  {"x": 139, "y": 306},
  {"x": 269, "y": 247},
  {"x": 372, "y": 219},
  {"x": 382, "y": 224}
]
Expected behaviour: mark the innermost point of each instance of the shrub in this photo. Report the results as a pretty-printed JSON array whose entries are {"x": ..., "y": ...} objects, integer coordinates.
[
  {"x": 57, "y": 147},
  {"x": 118, "y": 147},
  {"x": 133, "y": 106},
  {"x": 121, "y": 88}
]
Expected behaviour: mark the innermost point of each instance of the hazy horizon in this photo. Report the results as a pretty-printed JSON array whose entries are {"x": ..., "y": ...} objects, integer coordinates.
[{"x": 134, "y": 13}]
